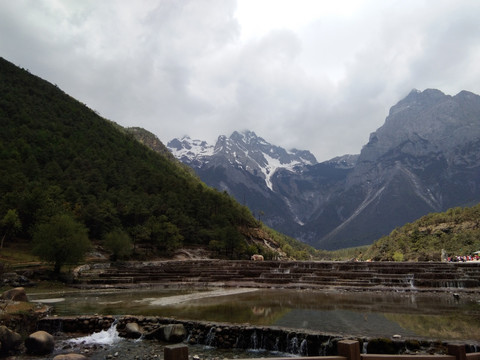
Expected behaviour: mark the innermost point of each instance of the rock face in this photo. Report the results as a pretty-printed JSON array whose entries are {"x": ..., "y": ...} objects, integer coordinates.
[
  {"x": 247, "y": 166},
  {"x": 425, "y": 158},
  {"x": 40, "y": 343}
]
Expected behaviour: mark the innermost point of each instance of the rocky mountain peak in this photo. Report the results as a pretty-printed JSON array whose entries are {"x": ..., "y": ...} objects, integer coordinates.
[
  {"x": 424, "y": 158},
  {"x": 189, "y": 151},
  {"x": 429, "y": 116},
  {"x": 244, "y": 150}
]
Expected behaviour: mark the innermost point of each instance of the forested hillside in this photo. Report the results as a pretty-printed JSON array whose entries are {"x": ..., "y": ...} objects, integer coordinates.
[
  {"x": 456, "y": 232},
  {"x": 59, "y": 157}
]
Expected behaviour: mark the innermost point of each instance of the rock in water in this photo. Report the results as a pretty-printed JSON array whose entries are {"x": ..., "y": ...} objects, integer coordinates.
[
  {"x": 174, "y": 333},
  {"x": 40, "y": 343},
  {"x": 133, "y": 331},
  {"x": 10, "y": 340},
  {"x": 16, "y": 294}
]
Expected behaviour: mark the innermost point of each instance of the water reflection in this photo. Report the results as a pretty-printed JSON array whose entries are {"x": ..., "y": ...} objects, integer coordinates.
[{"x": 362, "y": 314}]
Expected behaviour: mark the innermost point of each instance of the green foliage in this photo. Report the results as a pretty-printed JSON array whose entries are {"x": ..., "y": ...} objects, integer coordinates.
[
  {"x": 457, "y": 231},
  {"x": 292, "y": 247},
  {"x": 60, "y": 241},
  {"x": 10, "y": 225},
  {"x": 58, "y": 156},
  {"x": 343, "y": 254},
  {"x": 119, "y": 243},
  {"x": 397, "y": 256}
]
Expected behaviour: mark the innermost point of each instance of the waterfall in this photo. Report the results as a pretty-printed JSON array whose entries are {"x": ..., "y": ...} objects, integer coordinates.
[
  {"x": 254, "y": 341},
  {"x": 292, "y": 345},
  {"x": 303, "y": 351},
  {"x": 276, "y": 347},
  {"x": 104, "y": 337},
  {"x": 411, "y": 281},
  {"x": 209, "y": 341}
]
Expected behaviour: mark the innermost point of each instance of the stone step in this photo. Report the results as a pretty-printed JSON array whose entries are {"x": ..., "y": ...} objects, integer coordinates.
[{"x": 314, "y": 274}]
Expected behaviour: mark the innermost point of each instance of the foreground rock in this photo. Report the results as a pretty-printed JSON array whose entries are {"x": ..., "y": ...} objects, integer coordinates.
[
  {"x": 40, "y": 343},
  {"x": 172, "y": 333},
  {"x": 71, "y": 356},
  {"x": 16, "y": 294},
  {"x": 9, "y": 340},
  {"x": 14, "y": 280},
  {"x": 133, "y": 331}
]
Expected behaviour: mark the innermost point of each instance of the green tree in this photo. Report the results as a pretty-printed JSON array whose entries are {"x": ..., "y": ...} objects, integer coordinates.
[
  {"x": 397, "y": 256},
  {"x": 10, "y": 225},
  {"x": 61, "y": 240},
  {"x": 169, "y": 237},
  {"x": 119, "y": 243}
]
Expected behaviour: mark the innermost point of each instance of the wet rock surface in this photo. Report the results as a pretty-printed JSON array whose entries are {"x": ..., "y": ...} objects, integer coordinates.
[{"x": 40, "y": 343}]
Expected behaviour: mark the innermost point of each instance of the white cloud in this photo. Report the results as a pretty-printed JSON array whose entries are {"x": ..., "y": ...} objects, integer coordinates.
[{"x": 317, "y": 75}]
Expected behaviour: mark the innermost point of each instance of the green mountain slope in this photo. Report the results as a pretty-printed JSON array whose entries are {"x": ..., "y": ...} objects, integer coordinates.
[
  {"x": 58, "y": 156},
  {"x": 456, "y": 232}
]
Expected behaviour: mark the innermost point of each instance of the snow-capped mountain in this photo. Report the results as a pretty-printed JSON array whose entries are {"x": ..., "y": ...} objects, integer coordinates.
[
  {"x": 244, "y": 150},
  {"x": 190, "y": 151},
  {"x": 425, "y": 158}
]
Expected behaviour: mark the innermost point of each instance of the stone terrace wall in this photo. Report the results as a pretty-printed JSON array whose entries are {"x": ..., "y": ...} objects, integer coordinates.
[
  {"x": 230, "y": 336},
  {"x": 289, "y": 274}
]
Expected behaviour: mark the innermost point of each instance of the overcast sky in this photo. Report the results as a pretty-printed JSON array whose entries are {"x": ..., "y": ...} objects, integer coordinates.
[{"x": 319, "y": 75}]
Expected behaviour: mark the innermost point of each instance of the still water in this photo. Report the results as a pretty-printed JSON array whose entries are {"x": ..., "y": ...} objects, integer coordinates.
[{"x": 432, "y": 316}]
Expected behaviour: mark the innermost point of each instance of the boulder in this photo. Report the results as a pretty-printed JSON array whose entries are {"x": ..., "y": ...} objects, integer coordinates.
[
  {"x": 170, "y": 333},
  {"x": 40, "y": 343},
  {"x": 71, "y": 356},
  {"x": 9, "y": 339},
  {"x": 133, "y": 331},
  {"x": 174, "y": 333},
  {"x": 155, "y": 334},
  {"x": 16, "y": 294},
  {"x": 13, "y": 279}
]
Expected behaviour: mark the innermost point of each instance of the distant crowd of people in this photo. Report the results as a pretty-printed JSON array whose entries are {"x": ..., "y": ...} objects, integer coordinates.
[{"x": 463, "y": 258}]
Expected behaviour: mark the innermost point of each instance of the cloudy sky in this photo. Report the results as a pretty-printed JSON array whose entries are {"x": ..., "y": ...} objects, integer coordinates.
[{"x": 311, "y": 74}]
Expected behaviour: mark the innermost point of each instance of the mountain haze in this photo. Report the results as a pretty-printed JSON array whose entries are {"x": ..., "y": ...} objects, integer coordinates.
[{"x": 425, "y": 158}]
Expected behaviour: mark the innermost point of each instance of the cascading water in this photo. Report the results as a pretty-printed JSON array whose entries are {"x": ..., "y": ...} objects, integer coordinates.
[
  {"x": 254, "y": 341},
  {"x": 411, "y": 281},
  {"x": 276, "y": 347},
  {"x": 292, "y": 345},
  {"x": 209, "y": 341},
  {"x": 303, "y": 351},
  {"x": 104, "y": 337}
]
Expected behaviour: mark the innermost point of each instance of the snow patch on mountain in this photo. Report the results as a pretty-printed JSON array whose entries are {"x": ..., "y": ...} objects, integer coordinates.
[
  {"x": 191, "y": 149},
  {"x": 244, "y": 150}
]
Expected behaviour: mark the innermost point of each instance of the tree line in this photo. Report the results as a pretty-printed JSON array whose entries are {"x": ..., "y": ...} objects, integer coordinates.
[
  {"x": 454, "y": 232},
  {"x": 62, "y": 163}
]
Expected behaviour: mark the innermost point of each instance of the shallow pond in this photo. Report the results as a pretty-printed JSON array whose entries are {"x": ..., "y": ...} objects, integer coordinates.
[{"x": 433, "y": 316}]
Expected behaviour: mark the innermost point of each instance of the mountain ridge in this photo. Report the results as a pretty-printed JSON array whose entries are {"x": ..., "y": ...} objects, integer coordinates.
[
  {"x": 424, "y": 158},
  {"x": 57, "y": 156},
  {"x": 242, "y": 149}
]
